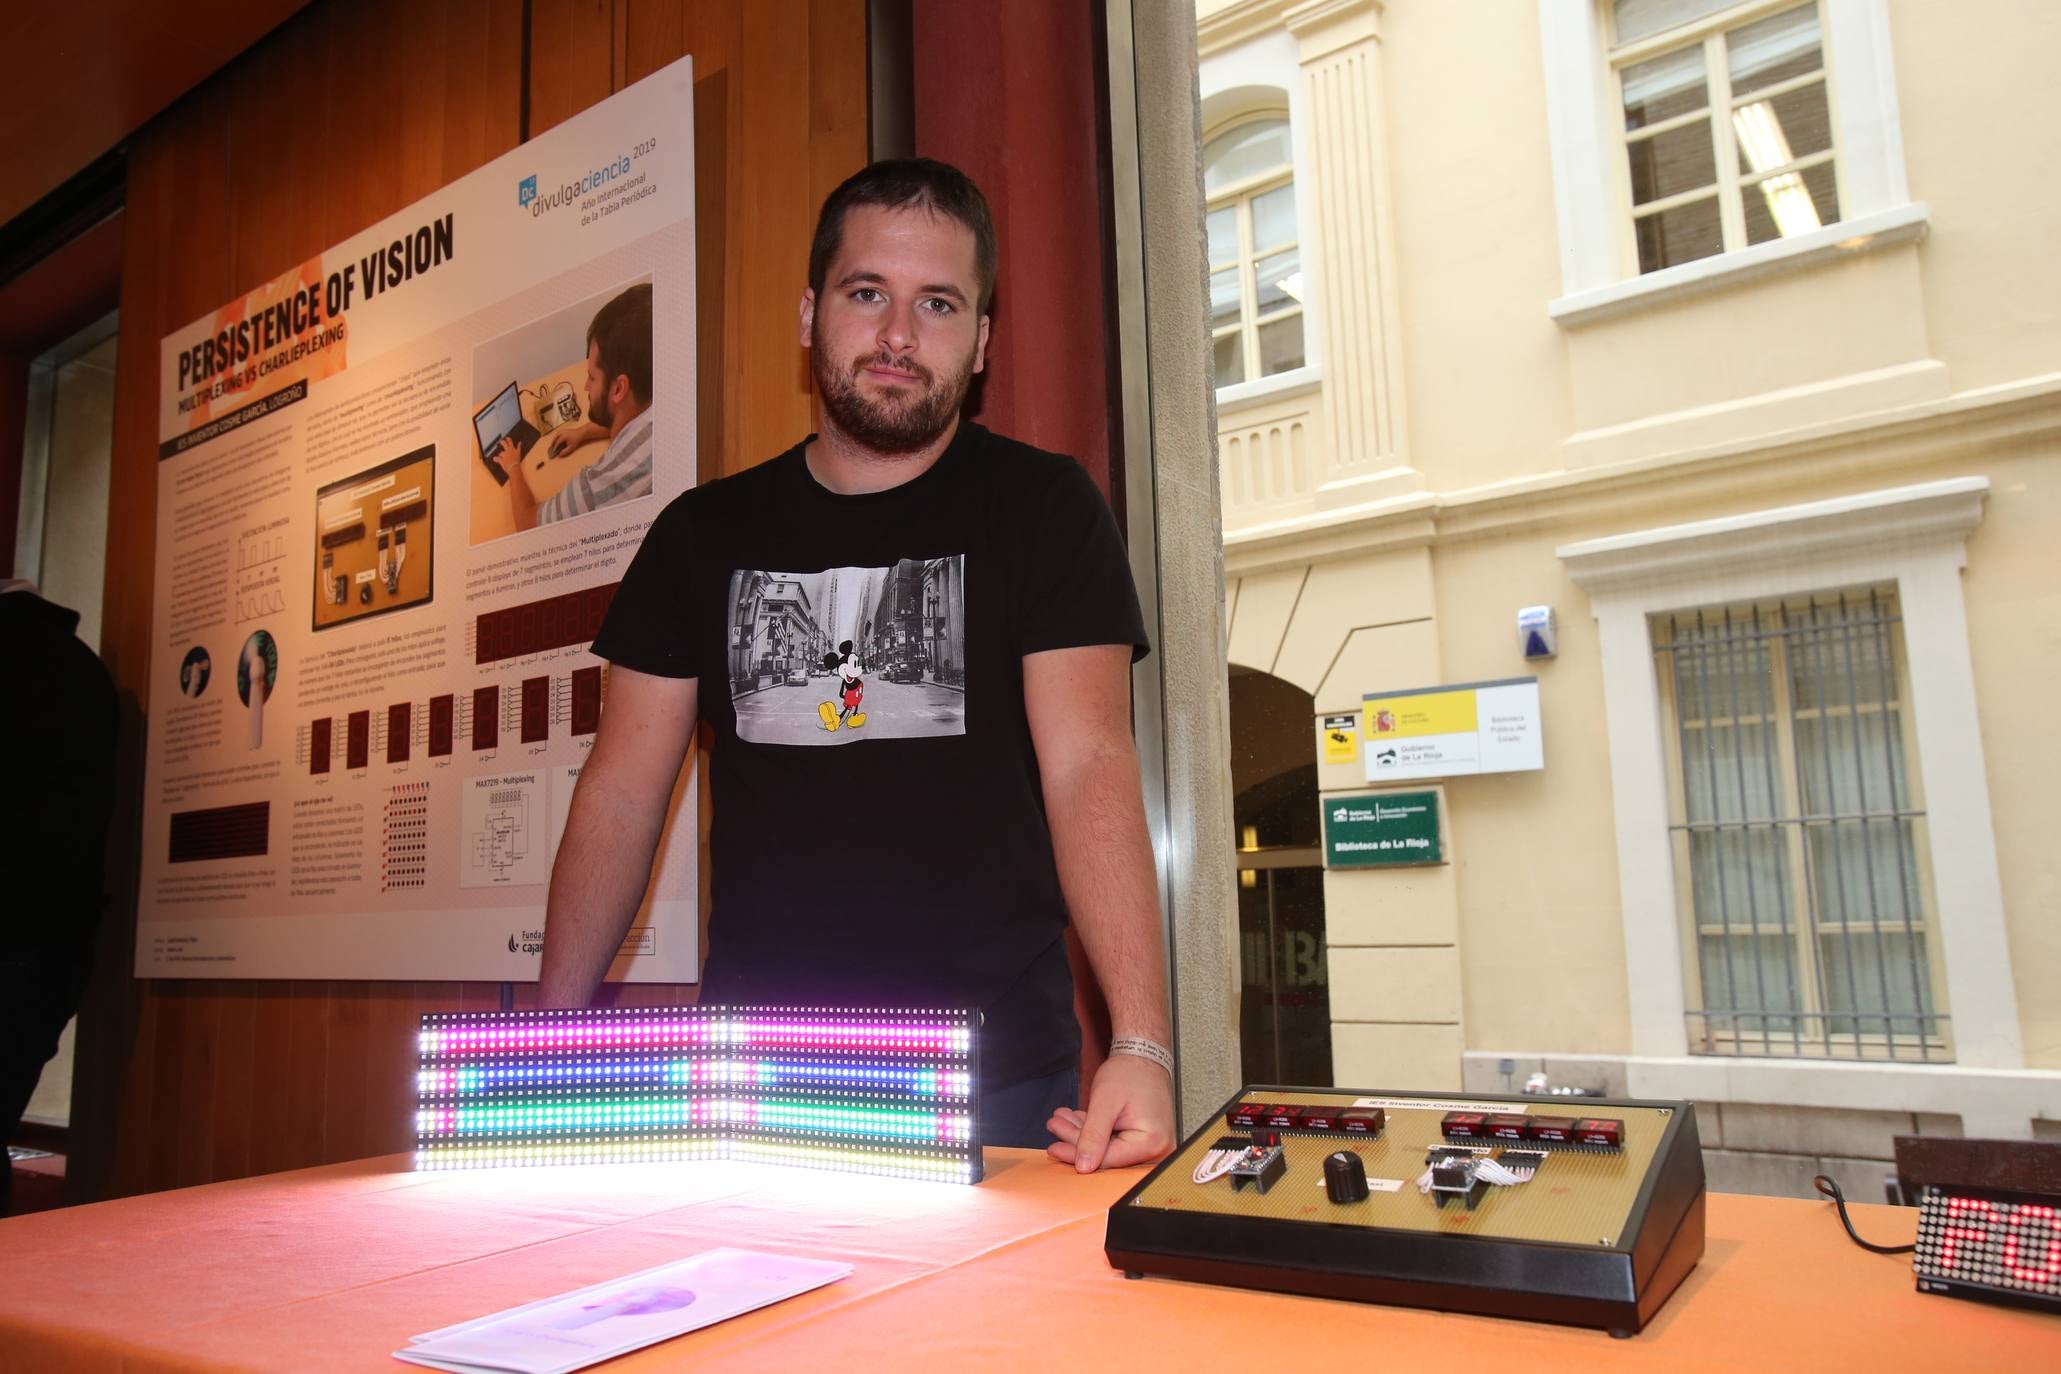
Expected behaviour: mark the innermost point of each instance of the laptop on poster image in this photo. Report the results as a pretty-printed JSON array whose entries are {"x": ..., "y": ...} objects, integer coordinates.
[{"x": 501, "y": 418}]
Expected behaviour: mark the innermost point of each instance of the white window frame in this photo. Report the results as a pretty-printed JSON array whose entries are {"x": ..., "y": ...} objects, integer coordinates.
[
  {"x": 1266, "y": 73},
  {"x": 1711, "y": 40},
  {"x": 1914, "y": 538},
  {"x": 1238, "y": 198},
  {"x": 1583, "y": 115}
]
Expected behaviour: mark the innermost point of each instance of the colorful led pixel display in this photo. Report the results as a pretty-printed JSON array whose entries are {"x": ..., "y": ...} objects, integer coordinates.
[{"x": 864, "y": 1090}]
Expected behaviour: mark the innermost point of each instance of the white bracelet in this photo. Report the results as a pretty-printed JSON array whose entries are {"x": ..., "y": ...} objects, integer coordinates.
[{"x": 1141, "y": 1048}]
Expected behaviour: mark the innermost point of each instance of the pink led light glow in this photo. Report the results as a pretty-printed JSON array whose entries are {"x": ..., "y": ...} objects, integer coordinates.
[{"x": 643, "y": 1035}]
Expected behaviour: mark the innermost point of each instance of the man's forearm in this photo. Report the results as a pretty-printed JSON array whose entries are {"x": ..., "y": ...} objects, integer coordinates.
[
  {"x": 522, "y": 502},
  {"x": 1105, "y": 869},
  {"x": 597, "y": 884}
]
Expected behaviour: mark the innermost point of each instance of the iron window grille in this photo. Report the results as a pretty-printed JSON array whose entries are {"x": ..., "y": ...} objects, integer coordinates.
[{"x": 1798, "y": 834}]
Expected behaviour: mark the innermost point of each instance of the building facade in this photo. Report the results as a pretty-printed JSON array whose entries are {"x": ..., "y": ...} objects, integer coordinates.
[
  {"x": 944, "y": 622},
  {"x": 775, "y": 636},
  {"x": 1726, "y": 330}
]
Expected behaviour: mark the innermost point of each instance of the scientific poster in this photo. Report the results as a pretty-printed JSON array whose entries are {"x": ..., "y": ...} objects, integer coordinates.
[{"x": 398, "y": 486}]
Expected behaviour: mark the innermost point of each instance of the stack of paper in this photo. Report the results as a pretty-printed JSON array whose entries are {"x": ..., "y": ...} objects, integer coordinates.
[{"x": 598, "y": 1323}]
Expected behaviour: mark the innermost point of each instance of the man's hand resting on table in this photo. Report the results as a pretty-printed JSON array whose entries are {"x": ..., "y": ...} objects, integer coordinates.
[
  {"x": 1129, "y": 1120},
  {"x": 566, "y": 438}
]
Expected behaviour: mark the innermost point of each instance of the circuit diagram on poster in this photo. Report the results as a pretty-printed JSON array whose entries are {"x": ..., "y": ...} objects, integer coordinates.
[{"x": 504, "y": 818}]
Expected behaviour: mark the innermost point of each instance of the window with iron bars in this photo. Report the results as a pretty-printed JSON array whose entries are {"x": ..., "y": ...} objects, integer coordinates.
[{"x": 1800, "y": 858}]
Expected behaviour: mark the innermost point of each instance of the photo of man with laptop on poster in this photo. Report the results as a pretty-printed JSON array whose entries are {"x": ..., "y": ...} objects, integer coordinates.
[{"x": 561, "y": 438}]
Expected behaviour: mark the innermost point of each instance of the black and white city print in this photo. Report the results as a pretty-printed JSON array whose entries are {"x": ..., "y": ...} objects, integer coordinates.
[{"x": 849, "y": 653}]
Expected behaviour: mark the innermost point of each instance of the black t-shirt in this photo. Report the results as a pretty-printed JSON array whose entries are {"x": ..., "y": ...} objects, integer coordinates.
[{"x": 893, "y": 850}]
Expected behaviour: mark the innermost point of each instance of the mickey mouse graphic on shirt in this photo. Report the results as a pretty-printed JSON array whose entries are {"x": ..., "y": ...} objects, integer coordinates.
[{"x": 851, "y": 690}]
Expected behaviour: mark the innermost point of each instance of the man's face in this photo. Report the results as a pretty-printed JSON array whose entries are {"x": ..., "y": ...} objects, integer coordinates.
[
  {"x": 598, "y": 408},
  {"x": 897, "y": 335}
]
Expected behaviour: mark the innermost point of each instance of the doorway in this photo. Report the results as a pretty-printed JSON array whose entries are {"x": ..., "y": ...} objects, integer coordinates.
[{"x": 1283, "y": 959}]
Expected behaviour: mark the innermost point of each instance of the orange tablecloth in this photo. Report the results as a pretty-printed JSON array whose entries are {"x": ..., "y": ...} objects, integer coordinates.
[{"x": 334, "y": 1268}]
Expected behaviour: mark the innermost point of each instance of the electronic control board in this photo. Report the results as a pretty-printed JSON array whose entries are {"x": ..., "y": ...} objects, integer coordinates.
[
  {"x": 365, "y": 562},
  {"x": 1586, "y": 1211}
]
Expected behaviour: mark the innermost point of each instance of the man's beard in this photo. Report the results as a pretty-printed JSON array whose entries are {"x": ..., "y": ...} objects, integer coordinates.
[
  {"x": 891, "y": 424},
  {"x": 600, "y": 412}
]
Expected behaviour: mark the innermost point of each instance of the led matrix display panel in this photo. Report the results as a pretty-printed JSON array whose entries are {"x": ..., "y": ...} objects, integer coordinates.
[
  {"x": 1994, "y": 1246},
  {"x": 1989, "y": 1218},
  {"x": 864, "y": 1090}
]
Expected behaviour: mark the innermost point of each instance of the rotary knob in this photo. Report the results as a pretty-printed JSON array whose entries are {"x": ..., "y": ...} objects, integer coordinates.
[{"x": 1345, "y": 1177}]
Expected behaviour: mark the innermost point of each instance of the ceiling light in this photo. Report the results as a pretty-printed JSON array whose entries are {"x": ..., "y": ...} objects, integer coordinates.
[{"x": 1765, "y": 145}]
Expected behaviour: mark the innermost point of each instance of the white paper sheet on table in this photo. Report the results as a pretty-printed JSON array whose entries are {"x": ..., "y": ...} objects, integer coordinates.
[{"x": 599, "y": 1322}]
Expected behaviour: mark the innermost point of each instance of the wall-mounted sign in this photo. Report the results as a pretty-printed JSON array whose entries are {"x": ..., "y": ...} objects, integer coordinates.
[
  {"x": 1341, "y": 738},
  {"x": 1381, "y": 830},
  {"x": 1478, "y": 727}
]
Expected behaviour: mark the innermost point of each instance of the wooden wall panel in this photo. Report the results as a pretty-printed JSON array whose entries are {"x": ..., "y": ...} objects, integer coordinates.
[
  {"x": 265, "y": 1149},
  {"x": 192, "y": 1150},
  {"x": 837, "y": 101},
  {"x": 572, "y": 58},
  {"x": 482, "y": 105},
  {"x": 774, "y": 224},
  {"x": 188, "y": 1082},
  {"x": 232, "y": 1121},
  {"x": 175, "y": 252}
]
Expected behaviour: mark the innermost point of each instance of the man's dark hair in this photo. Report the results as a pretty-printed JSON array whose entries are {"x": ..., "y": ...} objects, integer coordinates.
[
  {"x": 908, "y": 183},
  {"x": 622, "y": 332}
]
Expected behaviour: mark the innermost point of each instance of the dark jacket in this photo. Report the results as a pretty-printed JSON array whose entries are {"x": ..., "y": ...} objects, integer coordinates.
[{"x": 56, "y": 795}]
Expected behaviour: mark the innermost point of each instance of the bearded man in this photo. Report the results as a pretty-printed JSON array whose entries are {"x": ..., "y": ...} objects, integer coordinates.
[
  {"x": 935, "y": 857},
  {"x": 618, "y": 414}
]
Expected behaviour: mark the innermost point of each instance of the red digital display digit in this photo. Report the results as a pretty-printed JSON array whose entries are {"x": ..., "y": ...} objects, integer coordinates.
[
  {"x": 2046, "y": 1270},
  {"x": 1965, "y": 1210},
  {"x": 2039, "y": 1262},
  {"x": 1953, "y": 1234}
]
